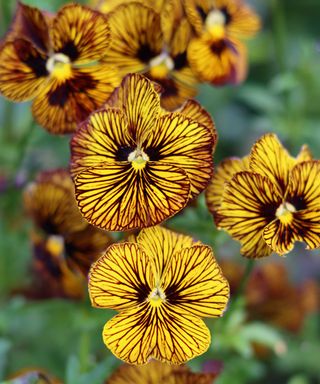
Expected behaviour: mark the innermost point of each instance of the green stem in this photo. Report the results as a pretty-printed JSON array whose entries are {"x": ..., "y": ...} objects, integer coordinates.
[{"x": 279, "y": 32}]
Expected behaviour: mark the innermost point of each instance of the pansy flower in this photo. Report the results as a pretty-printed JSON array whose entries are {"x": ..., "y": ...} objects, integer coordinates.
[
  {"x": 107, "y": 6},
  {"x": 135, "y": 165},
  {"x": 273, "y": 203},
  {"x": 50, "y": 202},
  {"x": 156, "y": 373},
  {"x": 56, "y": 61},
  {"x": 32, "y": 376},
  {"x": 162, "y": 284},
  {"x": 142, "y": 43},
  {"x": 216, "y": 54}
]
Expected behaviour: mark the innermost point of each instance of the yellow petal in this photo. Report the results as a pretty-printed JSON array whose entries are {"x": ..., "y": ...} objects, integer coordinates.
[{"x": 121, "y": 278}]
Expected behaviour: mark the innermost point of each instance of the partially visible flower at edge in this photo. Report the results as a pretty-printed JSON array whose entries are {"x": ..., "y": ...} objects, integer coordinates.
[
  {"x": 162, "y": 285},
  {"x": 269, "y": 200}
]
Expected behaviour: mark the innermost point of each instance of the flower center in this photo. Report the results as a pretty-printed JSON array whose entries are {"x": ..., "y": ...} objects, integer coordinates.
[
  {"x": 284, "y": 213},
  {"x": 138, "y": 158},
  {"x": 59, "y": 66},
  {"x": 156, "y": 297},
  {"x": 55, "y": 245},
  {"x": 215, "y": 23},
  {"x": 161, "y": 65}
]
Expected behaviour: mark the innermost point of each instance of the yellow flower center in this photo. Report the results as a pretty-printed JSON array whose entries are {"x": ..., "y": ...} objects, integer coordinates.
[
  {"x": 59, "y": 66},
  {"x": 215, "y": 24},
  {"x": 161, "y": 65},
  {"x": 284, "y": 213},
  {"x": 156, "y": 297},
  {"x": 55, "y": 245},
  {"x": 138, "y": 158}
]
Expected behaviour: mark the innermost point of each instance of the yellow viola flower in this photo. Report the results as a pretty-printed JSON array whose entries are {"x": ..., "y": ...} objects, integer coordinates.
[
  {"x": 216, "y": 55},
  {"x": 50, "y": 202},
  {"x": 107, "y": 6},
  {"x": 162, "y": 285},
  {"x": 55, "y": 61},
  {"x": 140, "y": 45},
  {"x": 155, "y": 373},
  {"x": 273, "y": 203},
  {"x": 133, "y": 164}
]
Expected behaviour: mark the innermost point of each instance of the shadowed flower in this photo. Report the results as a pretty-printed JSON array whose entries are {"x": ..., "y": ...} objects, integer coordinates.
[
  {"x": 135, "y": 165},
  {"x": 274, "y": 202},
  {"x": 32, "y": 376},
  {"x": 55, "y": 61},
  {"x": 51, "y": 203},
  {"x": 142, "y": 43},
  {"x": 216, "y": 55},
  {"x": 158, "y": 373},
  {"x": 162, "y": 285}
]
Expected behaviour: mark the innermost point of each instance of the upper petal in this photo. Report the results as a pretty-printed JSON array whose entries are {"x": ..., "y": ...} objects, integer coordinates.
[
  {"x": 185, "y": 143},
  {"x": 122, "y": 278},
  {"x": 80, "y": 33},
  {"x": 193, "y": 282},
  {"x": 117, "y": 197},
  {"x": 248, "y": 204},
  {"x": 160, "y": 244},
  {"x": 22, "y": 70}
]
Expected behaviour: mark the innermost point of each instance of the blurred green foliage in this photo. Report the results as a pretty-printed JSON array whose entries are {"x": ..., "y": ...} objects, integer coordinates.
[{"x": 281, "y": 95}]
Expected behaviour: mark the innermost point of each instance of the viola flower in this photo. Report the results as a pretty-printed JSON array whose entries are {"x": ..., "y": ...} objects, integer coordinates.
[
  {"x": 107, "y": 6},
  {"x": 56, "y": 61},
  {"x": 162, "y": 284},
  {"x": 156, "y": 372},
  {"x": 273, "y": 203},
  {"x": 142, "y": 43},
  {"x": 216, "y": 55},
  {"x": 33, "y": 375},
  {"x": 51, "y": 203},
  {"x": 135, "y": 165}
]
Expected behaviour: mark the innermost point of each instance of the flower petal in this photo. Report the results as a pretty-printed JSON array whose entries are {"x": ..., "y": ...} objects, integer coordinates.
[
  {"x": 22, "y": 70},
  {"x": 185, "y": 143},
  {"x": 223, "y": 174},
  {"x": 194, "y": 282},
  {"x": 218, "y": 62},
  {"x": 249, "y": 203},
  {"x": 115, "y": 196},
  {"x": 305, "y": 154},
  {"x": 122, "y": 278},
  {"x": 269, "y": 158},
  {"x": 103, "y": 137},
  {"x": 139, "y": 99},
  {"x": 80, "y": 33},
  {"x": 136, "y": 37},
  {"x": 62, "y": 104},
  {"x": 138, "y": 334},
  {"x": 160, "y": 244}
]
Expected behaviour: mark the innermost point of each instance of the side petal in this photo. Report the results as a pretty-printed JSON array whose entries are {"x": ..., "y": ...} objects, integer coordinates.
[
  {"x": 249, "y": 203},
  {"x": 269, "y": 158},
  {"x": 160, "y": 244},
  {"x": 136, "y": 37},
  {"x": 185, "y": 143},
  {"x": 218, "y": 62},
  {"x": 197, "y": 12},
  {"x": 194, "y": 282},
  {"x": 223, "y": 174},
  {"x": 63, "y": 104},
  {"x": 304, "y": 187},
  {"x": 80, "y": 33},
  {"x": 22, "y": 70},
  {"x": 103, "y": 137},
  {"x": 116, "y": 197},
  {"x": 121, "y": 278},
  {"x": 305, "y": 154},
  {"x": 136, "y": 335}
]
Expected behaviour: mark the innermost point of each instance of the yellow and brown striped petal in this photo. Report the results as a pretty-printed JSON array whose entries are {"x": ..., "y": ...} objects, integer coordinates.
[
  {"x": 80, "y": 33},
  {"x": 118, "y": 197},
  {"x": 185, "y": 143},
  {"x": 22, "y": 70},
  {"x": 122, "y": 278},
  {"x": 63, "y": 103},
  {"x": 249, "y": 203}
]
